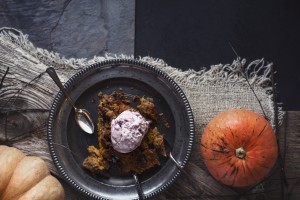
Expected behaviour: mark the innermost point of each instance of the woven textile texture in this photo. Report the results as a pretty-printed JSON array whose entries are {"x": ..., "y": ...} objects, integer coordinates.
[{"x": 209, "y": 91}]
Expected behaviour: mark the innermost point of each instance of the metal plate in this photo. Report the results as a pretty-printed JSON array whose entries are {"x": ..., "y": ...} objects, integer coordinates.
[{"x": 68, "y": 143}]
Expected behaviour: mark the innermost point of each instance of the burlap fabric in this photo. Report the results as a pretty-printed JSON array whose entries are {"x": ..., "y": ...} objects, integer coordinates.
[{"x": 209, "y": 91}]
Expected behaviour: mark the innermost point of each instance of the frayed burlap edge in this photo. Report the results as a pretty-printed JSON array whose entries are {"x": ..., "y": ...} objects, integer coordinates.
[{"x": 258, "y": 72}]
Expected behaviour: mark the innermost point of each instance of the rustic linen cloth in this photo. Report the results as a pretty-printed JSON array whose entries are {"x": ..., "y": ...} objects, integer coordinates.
[{"x": 209, "y": 91}]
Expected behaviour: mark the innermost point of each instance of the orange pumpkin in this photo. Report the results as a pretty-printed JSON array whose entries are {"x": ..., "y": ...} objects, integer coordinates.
[{"x": 239, "y": 148}]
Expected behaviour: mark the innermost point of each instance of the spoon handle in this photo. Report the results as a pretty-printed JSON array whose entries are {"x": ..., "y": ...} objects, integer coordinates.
[
  {"x": 52, "y": 73},
  {"x": 178, "y": 165},
  {"x": 194, "y": 183},
  {"x": 138, "y": 187}
]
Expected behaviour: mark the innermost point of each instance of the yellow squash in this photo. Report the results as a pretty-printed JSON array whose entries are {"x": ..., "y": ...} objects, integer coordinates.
[{"x": 26, "y": 177}]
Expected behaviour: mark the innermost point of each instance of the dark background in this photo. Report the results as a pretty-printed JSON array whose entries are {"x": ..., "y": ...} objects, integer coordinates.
[
  {"x": 196, "y": 34},
  {"x": 185, "y": 34}
]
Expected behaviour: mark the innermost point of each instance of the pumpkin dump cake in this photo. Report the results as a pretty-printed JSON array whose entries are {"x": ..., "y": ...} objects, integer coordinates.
[{"x": 127, "y": 136}]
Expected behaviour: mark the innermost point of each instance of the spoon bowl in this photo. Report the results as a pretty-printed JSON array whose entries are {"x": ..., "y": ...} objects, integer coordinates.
[
  {"x": 84, "y": 120},
  {"x": 82, "y": 116}
]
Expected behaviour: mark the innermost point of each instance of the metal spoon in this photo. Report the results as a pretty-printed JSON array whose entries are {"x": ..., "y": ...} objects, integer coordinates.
[
  {"x": 82, "y": 116},
  {"x": 179, "y": 166},
  {"x": 138, "y": 187}
]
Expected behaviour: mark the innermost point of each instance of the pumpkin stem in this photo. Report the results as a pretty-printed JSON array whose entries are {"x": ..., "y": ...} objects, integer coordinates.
[{"x": 240, "y": 153}]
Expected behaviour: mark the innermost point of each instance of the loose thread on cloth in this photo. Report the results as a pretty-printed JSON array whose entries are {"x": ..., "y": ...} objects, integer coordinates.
[{"x": 209, "y": 91}]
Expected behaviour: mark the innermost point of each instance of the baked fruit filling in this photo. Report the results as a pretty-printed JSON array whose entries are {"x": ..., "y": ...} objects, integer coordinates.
[{"x": 147, "y": 155}]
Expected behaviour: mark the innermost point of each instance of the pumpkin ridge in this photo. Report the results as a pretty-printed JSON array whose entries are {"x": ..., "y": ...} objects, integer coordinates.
[
  {"x": 233, "y": 135},
  {"x": 215, "y": 150},
  {"x": 13, "y": 174},
  {"x": 262, "y": 166},
  {"x": 244, "y": 136},
  {"x": 24, "y": 193},
  {"x": 35, "y": 162},
  {"x": 33, "y": 185},
  {"x": 235, "y": 170},
  {"x": 222, "y": 148},
  {"x": 224, "y": 175},
  {"x": 223, "y": 133},
  {"x": 216, "y": 134},
  {"x": 230, "y": 156},
  {"x": 17, "y": 157},
  {"x": 18, "y": 196},
  {"x": 258, "y": 136},
  {"x": 234, "y": 178},
  {"x": 225, "y": 162},
  {"x": 264, "y": 128},
  {"x": 249, "y": 170},
  {"x": 257, "y": 172},
  {"x": 243, "y": 164},
  {"x": 249, "y": 146},
  {"x": 224, "y": 142}
]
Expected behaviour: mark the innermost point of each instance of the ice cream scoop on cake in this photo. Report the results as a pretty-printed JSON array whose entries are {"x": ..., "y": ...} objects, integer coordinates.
[
  {"x": 114, "y": 138},
  {"x": 128, "y": 131}
]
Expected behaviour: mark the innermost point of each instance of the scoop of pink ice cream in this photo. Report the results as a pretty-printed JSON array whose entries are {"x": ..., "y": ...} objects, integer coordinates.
[{"x": 128, "y": 131}]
